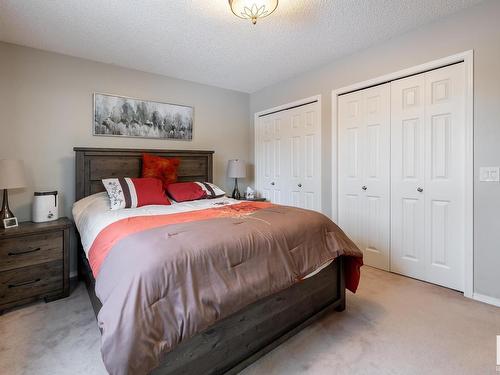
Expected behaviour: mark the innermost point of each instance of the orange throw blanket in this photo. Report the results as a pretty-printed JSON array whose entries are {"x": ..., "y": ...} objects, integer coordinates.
[{"x": 113, "y": 233}]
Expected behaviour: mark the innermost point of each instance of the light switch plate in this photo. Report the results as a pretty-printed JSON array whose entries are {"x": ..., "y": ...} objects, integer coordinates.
[{"x": 489, "y": 174}]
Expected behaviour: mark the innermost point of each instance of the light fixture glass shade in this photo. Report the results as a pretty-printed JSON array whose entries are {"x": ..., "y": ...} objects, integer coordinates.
[
  {"x": 253, "y": 9},
  {"x": 12, "y": 174},
  {"x": 236, "y": 169}
]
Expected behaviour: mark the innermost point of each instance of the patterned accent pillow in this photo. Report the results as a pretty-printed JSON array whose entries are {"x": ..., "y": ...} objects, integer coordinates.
[
  {"x": 190, "y": 191},
  {"x": 134, "y": 192},
  {"x": 164, "y": 169}
]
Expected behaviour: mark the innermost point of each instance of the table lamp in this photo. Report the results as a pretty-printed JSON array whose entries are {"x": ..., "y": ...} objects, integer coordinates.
[
  {"x": 236, "y": 169},
  {"x": 11, "y": 177}
]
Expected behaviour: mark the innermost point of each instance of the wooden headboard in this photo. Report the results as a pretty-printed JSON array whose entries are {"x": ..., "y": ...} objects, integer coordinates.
[{"x": 94, "y": 164}]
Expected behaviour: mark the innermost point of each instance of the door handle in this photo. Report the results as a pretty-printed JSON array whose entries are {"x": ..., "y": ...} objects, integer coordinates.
[
  {"x": 299, "y": 185},
  {"x": 419, "y": 189},
  {"x": 272, "y": 183},
  {"x": 364, "y": 187}
]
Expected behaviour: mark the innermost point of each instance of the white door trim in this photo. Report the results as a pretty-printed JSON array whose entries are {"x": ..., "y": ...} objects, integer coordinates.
[
  {"x": 289, "y": 105},
  {"x": 284, "y": 107},
  {"x": 468, "y": 58}
]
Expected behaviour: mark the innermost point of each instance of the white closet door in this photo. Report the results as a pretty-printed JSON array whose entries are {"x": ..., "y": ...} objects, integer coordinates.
[
  {"x": 351, "y": 149},
  {"x": 364, "y": 169},
  {"x": 408, "y": 176},
  {"x": 303, "y": 157},
  {"x": 288, "y": 157},
  {"x": 428, "y": 186},
  {"x": 444, "y": 176},
  {"x": 270, "y": 158}
]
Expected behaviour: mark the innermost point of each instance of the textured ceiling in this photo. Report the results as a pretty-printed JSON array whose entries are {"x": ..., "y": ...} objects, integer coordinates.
[{"x": 202, "y": 41}]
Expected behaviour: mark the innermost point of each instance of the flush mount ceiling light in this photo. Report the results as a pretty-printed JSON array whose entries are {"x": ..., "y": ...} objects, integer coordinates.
[{"x": 253, "y": 9}]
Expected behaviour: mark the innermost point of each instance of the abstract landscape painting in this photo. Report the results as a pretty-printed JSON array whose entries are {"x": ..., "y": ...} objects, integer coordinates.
[{"x": 127, "y": 117}]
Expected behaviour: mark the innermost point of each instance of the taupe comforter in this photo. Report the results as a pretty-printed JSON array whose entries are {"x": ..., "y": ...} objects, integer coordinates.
[{"x": 163, "y": 285}]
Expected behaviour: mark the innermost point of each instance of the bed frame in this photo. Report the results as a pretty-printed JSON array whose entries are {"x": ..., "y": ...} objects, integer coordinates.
[{"x": 235, "y": 342}]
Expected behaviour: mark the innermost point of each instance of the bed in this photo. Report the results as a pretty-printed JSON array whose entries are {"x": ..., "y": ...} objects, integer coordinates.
[{"x": 234, "y": 341}]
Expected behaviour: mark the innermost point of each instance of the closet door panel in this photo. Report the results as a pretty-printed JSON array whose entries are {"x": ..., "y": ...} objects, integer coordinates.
[
  {"x": 407, "y": 176},
  {"x": 266, "y": 156},
  {"x": 295, "y": 172},
  {"x": 351, "y": 148},
  {"x": 296, "y": 158},
  {"x": 288, "y": 156},
  {"x": 278, "y": 156},
  {"x": 445, "y": 193},
  {"x": 311, "y": 184},
  {"x": 364, "y": 168},
  {"x": 427, "y": 176},
  {"x": 376, "y": 186},
  {"x": 303, "y": 182},
  {"x": 270, "y": 158}
]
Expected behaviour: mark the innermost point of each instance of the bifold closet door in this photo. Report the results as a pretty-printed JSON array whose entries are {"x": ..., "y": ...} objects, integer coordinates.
[
  {"x": 269, "y": 154},
  {"x": 408, "y": 176},
  {"x": 303, "y": 157},
  {"x": 427, "y": 179},
  {"x": 364, "y": 171},
  {"x": 288, "y": 157}
]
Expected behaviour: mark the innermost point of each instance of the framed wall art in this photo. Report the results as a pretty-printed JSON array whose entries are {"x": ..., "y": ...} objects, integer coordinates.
[{"x": 120, "y": 116}]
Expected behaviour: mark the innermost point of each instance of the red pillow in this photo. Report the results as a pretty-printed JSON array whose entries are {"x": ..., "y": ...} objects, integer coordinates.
[
  {"x": 164, "y": 169},
  {"x": 135, "y": 192},
  {"x": 190, "y": 191}
]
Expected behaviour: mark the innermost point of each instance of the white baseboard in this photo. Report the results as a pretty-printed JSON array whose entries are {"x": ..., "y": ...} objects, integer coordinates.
[{"x": 486, "y": 299}]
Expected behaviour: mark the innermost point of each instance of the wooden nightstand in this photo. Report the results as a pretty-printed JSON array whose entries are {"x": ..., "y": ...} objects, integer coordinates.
[{"x": 34, "y": 262}]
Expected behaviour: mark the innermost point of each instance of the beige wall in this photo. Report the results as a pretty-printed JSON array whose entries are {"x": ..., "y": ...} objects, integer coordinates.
[
  {"x": 476, "y": 28},
  {"x": 46, "y": 110}
]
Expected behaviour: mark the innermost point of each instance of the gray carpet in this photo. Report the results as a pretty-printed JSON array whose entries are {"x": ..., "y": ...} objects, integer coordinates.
[
  {"x": 393, "y": 325},
  {"x": 60, "y": 337}
]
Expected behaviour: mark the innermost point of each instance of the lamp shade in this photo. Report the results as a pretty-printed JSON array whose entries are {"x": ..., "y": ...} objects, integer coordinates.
[
  {"x": 12, "y": 174},
  {"x": 236, "y": 169}
]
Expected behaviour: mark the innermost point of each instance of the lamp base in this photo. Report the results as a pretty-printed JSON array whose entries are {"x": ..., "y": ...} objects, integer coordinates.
[
  {"x": 236, "y": 192},
  {"x": 5, "y": 212}
]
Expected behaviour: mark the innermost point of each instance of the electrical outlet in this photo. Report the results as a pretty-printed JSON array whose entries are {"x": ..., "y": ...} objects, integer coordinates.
[{"x": 489, "y": 174}]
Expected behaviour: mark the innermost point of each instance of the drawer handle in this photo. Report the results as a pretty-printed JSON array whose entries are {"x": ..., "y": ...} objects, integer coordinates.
[
  {"x": 23, "y": 284},
  {"x": 25, "y": 252}
]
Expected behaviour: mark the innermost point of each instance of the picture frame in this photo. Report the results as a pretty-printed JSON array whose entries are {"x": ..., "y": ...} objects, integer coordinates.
[
  {"x": 10, "y": 222},
  {"x": 123, "y": 116}
]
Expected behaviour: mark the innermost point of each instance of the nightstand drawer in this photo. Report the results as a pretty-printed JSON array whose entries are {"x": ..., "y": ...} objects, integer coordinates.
[
  {"x": 29, "y": 250},
  {"x": 29, "y": 282}
]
